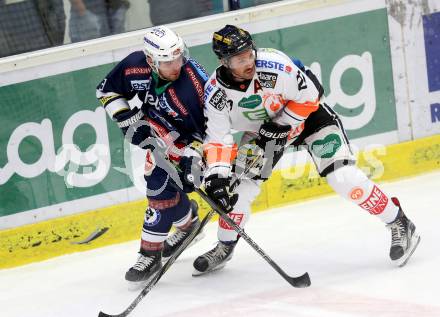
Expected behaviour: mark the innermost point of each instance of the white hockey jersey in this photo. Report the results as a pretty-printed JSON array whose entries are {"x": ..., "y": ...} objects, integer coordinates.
[{"x": 279, "y": 91}]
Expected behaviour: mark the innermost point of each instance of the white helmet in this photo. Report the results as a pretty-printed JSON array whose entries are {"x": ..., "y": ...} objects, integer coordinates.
[{"x": 161, "y": 44}]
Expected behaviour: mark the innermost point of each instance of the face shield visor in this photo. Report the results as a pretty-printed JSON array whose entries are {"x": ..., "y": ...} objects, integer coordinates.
[
  {"x": 241, "y": 60},
  {"x": 176, "y": 59}
]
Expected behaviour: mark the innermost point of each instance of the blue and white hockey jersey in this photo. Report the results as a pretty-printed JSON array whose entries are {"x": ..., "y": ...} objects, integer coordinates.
[{"x": 167, "y": 106}]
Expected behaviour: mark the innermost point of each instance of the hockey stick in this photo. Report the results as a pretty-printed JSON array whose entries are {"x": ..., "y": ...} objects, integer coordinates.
[
  {"x": 300, "y": 281},
  {"x": 164, "y": 268},
  {"x": 177, "y": 253}
]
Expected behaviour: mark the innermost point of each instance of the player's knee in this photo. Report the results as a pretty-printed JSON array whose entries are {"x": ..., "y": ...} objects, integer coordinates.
[{"x": 350, "y": 182}]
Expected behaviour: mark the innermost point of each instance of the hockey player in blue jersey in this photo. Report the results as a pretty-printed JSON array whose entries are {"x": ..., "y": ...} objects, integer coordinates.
[{"x": 170, "y": 86}]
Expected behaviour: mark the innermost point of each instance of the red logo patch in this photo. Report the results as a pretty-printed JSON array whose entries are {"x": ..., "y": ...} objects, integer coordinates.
[
  {"x": 356, "y": 193},
  {"x": 196, "y": 83},
  {"x": 177, "y": 102},
  {"x": 288, "y": 69},
  {"x": 377, "y": 201},
  {"x": 237, "y": 218},
  {"x": 137, "y": 71}
]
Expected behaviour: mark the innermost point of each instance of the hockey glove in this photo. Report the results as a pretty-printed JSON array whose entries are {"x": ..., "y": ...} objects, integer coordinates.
[
  {"x": 272, "y": 138},
  {"x": 218, "y": 189},
  {"x": 133, "y": 125},
  {"x": 191, "y": 167},
  {"x": 272, "y": 133}
]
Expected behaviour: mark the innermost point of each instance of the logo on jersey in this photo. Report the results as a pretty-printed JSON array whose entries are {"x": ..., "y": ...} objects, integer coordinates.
[
  {"x": 152, "y": 217},
  {"x": 218, "y": 100},
  {"x": 102, "y": 84},
  {"x": 250, "y": 102},
  {"x": 208, "y": 90},
  {"x": 164, "y": 105},
  {"x": 326, "y": 147},
  {"x": 267, "y": 80},
  {"x": 256, "y": 115},
  {"x": 270, "y": 64},
  {"x": 137, "y": 71},
  {"x": 196, "y": 83},
  {"x": 140, "y": 84},
  {"x": 177, "y": 102},
  {"x": 377, "y": 201}
]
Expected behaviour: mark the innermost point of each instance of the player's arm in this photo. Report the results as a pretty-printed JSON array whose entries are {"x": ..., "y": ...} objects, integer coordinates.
[
  {"x": 219, "y": 150},
  {"x": 309, "y": 74},
  {"x": 301, "y": 99},
  {"x": 113, "y": 93}
]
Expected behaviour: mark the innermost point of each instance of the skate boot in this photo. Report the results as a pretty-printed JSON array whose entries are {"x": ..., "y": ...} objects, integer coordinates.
[
  {"x": 214, "y": 259},
  {"x": 404, "y": 238},
  {"x": 174, "y": 241},
  {"x": 148, "y": 263}
]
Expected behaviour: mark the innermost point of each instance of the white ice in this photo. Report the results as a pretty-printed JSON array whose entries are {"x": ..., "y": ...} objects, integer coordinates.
[{"x": 344, "y": 249}]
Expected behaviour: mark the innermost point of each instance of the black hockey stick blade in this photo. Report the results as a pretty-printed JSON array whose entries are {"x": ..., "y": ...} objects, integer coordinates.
[
  {"x": 93, "y": 236},
  {"x": 300, "y": 281}
]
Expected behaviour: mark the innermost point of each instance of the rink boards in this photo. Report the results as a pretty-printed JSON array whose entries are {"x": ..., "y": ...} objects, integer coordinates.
[
  {"x": 37, "y": 242},
  {"x": 377, "y": 62}
]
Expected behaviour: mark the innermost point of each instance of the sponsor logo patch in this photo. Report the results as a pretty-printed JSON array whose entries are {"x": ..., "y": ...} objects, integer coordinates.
[
  {"x": 105, "y": 100},
  {"x": 196, "y": 83},
  {"x": 377, "y": 201},
  {"x": 267, "y": 80},
  {"x": 237, "y": 218},
  {"x": 250, "y": 102},
  {"x": 177, "y": 102},
  {"x": 269, "y": 64},
  {"x": 137, "y": 71},
  {"x": 326, "y": 147},
  {"x": 218, "y": 100},
  {"x": 140, "y": 84},
  {"x": 356, "y": 193}
]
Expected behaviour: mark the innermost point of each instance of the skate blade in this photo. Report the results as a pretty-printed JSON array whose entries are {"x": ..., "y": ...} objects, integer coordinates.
[
  {"x": 405, "y": 258},
  {"x": 199, "y": 237},
  {"x": 218, "y": 267}
]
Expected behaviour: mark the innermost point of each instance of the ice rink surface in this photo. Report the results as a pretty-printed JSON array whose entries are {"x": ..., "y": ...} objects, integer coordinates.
[{"x": 344, "y": 249}]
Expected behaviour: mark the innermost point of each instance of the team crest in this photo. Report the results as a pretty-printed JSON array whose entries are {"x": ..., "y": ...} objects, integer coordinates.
[{"x": 152, "y": 217}]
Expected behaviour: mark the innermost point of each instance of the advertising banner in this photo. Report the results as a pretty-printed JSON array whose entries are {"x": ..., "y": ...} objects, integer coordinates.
[{"x": 57, "y": 145}]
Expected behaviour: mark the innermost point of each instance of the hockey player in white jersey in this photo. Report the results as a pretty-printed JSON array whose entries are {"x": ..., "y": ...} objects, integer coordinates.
[{"x": 276, "y": 103}]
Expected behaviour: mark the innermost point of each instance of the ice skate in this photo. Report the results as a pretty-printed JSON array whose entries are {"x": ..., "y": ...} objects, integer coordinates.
[
  {"x": 404, "y": 238},
  {"x": 147, "y": 264},
  {"x": 215, "y": 259},
  {"x": 174, "y": 241}
]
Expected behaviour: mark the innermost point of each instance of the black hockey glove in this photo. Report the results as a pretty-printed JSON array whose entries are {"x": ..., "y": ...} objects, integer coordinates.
[
  {"x": 218, "y": 189},
  {"x": 272, "y": 133},
  {"x": 191, "y": 167},
  {"x": 272, "y": 138},
  {"x": 316, "y": 82},
  {"x": 133, "y": 125}
]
